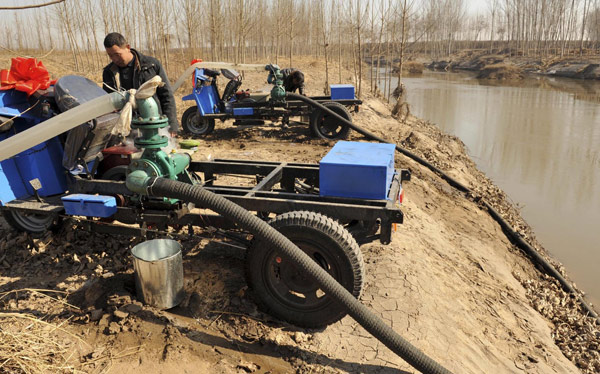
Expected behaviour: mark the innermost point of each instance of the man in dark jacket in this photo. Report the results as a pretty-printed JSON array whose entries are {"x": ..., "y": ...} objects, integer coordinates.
[
  {"x": 130, "y": 69},
  {"x": 293, "y": 79}
]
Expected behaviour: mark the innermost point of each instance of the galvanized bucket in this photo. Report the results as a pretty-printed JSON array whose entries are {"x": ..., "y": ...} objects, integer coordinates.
[{"x": 159, "y": 272}]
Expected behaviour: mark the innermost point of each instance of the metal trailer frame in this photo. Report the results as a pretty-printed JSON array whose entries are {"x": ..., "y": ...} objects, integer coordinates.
[
  {"x": 283, "y": 111},
  {"x": 153, "y": 217},
  {"x": 267, "y": 111}
]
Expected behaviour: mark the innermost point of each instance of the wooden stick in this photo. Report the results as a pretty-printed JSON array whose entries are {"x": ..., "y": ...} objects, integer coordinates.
[{"x": 30, "y": 6}]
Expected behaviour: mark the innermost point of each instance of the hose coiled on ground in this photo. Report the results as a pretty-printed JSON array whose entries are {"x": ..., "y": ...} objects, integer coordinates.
[
  {"x": 510, "y": 232},
  {"x": 263, "y": 231}
]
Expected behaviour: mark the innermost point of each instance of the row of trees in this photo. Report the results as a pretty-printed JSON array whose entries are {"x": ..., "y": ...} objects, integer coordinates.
[
  {"x": 348, "y": 31},
  {"x": 251, "y": 29}
]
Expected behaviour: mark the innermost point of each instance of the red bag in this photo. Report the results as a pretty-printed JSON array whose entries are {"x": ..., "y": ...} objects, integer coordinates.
[{"x": 26, "y": 75}]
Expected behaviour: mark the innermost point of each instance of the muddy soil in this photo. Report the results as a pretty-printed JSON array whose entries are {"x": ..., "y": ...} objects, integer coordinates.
[{"x": 450, "y": 281}]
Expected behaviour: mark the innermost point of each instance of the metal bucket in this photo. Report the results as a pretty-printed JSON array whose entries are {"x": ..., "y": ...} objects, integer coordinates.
[{"x": 159, "y": 272}]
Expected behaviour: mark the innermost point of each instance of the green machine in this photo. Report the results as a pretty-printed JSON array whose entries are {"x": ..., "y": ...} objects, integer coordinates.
[
  {"x": 154, "y": 162},
  {"x": 276, "y": 79}
]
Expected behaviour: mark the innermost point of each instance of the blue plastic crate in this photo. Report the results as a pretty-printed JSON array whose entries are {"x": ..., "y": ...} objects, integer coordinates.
[
  {"x": 90, "y": 205},
  {"x": 358, "y": 170},
  {"x": 342, "y": 91}
]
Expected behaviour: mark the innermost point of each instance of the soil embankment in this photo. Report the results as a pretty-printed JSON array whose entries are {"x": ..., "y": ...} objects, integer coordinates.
[
  {"x": 450, "y": 281},
  {"x": 503, "y": 66}
]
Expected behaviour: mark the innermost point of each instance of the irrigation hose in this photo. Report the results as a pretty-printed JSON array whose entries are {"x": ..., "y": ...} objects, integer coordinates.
[
  {"x": 510, "y": 232},
  {"x": 263, "y": 231}
]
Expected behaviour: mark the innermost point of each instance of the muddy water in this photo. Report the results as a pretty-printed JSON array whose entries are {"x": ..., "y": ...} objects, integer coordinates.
[{"x": 538, "y": 140}]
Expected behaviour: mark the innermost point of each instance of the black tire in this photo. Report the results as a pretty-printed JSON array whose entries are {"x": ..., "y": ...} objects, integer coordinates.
[
  {"x": 283, "y": 291},
  {"x": 34, "y": 224},
  {"x": 326, "y": 126},
  {"x": 195, "y": 124},
  {"x": 117, "y": 173}
]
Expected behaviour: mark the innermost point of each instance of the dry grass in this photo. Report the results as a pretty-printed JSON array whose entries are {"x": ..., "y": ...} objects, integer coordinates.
[
  {"x": 414, "y": 67},
  {"x": 31, "y": 345},
  {"x": 500, "y": 71},
  {"x": 410, "y": 68}
]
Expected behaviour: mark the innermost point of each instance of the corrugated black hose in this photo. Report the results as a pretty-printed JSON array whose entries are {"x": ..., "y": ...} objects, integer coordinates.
[
  {"x": 263, "y": 231},
  {"x": 512, "y": 234}
]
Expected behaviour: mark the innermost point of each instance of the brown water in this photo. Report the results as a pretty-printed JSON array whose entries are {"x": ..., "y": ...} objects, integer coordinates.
[{"x": 538, "y": 140}]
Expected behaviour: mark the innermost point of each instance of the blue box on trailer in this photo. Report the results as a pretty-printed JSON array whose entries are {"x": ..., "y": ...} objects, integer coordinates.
[
  {"x": 90, "y": 205},
  {"x": 359, "y": 170},
  {"x": 342, "y": 91}
]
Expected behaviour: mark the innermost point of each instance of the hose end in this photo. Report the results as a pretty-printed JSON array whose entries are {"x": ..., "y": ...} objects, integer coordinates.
[{"x": 138, "y": 181}]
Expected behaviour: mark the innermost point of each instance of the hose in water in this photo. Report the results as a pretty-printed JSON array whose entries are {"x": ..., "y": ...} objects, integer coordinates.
[
  {"x": 263, "y": 231},
  {"x": 511, "y": 233}
]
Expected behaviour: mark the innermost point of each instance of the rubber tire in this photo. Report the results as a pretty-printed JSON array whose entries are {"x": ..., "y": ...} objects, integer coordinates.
[
  {"x": 22, "y": 223},
  {"x": 193, "y": 123},
  {"x": 322, "y": 238},
  {"x": 117, "y": 173},
  {"x": 319, "y": 119}
]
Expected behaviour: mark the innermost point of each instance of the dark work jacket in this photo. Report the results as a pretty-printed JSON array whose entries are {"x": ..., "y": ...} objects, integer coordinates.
[
  {"x": 288, "y": 83},
  {"x": 145, "y": 68}
]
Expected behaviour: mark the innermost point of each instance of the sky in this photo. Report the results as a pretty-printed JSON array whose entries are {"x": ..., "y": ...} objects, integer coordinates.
[{"x": 475, "y": 6}]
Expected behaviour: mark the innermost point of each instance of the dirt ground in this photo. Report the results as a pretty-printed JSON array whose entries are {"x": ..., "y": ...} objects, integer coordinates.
[{"x": 450, "y": 282}]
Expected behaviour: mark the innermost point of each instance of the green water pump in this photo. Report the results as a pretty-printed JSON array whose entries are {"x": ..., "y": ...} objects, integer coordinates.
[
  {"x": 154, "y": 162},
  {"x": 276, "y": 79}
]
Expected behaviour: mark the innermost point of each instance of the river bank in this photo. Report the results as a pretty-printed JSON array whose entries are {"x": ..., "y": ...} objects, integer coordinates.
[
  {"x": 485, "y": 63},
  {"x": 450, "y": 281}
]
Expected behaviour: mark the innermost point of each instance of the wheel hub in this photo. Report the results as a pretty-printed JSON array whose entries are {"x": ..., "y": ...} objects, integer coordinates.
[{"x": 294, "y": 279}]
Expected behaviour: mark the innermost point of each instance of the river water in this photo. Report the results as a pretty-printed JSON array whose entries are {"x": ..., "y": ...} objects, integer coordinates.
[{"x": 537, "y": 139}]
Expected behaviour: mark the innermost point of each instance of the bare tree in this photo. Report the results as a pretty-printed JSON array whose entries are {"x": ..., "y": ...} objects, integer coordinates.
[
  {"x": 259, "y": 29},
  {"x": 401, "y": 107}
]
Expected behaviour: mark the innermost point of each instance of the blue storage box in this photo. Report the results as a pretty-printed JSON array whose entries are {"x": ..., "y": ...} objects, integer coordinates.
[
  {"x": 90, "y": 205},
  {"x": 243, "y": 111},
  {"x": 44, "y": 162},
  {"x": 359, "y": 170},
  {"x": 342, "y": 91}
]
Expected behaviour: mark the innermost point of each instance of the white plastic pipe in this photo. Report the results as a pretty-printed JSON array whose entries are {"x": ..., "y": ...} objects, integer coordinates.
[
  {"x": 215, "y": 65},
  {"x": 59, "y": 124}
]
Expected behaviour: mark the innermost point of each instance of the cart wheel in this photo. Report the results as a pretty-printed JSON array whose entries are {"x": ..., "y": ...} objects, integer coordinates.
[
  {"x": 285, "y": 291},
  {"x": 34, "y": 224},
  {"x": 326, "y": 126},
  {"x": 196, "y": 124}
]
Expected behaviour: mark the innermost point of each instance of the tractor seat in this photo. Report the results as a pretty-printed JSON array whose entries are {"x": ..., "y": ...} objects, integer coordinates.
[
  {"x": 85, "y": 142},
  {"x": 235, "y": 81}
]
